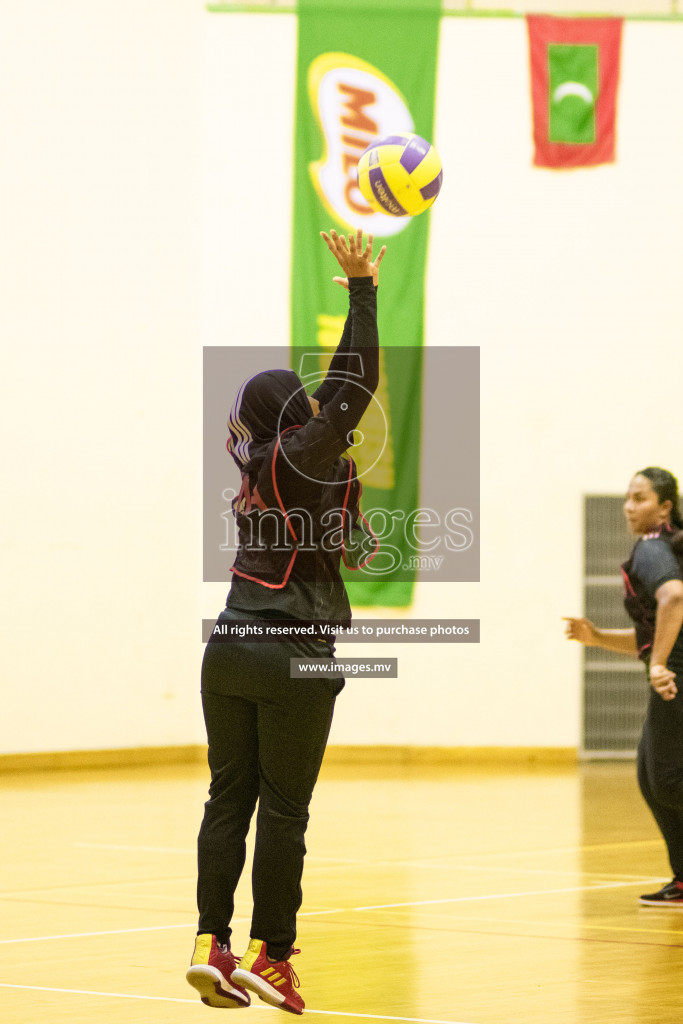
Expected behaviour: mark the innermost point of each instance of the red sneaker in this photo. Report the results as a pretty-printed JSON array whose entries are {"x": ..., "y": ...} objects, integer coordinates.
[
  {"x": 211, "y": 966},
  {"x": 274, "y": 983}
]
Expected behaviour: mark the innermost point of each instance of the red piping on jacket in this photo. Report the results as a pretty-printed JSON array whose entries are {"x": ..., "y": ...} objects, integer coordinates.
[
  {"x": 355, "y": 568},
  {"x": 261, "y": 504},
  {"x": 627, "y": 582},
  {"x": 246, "y": 492}
]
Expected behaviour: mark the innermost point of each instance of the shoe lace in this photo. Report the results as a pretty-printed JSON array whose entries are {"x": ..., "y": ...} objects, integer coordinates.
[{"x": 286, "y": 968}]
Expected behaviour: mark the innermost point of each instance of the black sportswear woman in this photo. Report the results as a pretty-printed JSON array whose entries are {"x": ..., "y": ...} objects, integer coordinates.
[
  {"x": 653, "y": 597},
  {"x": 267, "y": 732}
]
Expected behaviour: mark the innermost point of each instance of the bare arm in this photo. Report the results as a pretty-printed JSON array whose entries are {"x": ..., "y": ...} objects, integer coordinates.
[{"x": 620, "y": 641}]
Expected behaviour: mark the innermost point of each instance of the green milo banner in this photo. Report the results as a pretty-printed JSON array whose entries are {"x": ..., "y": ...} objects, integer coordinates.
[{"x": 365, "y": 71}]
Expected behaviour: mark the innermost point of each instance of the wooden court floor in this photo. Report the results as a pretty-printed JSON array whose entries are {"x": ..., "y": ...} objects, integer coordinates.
[{"x": 432, "y": 894}]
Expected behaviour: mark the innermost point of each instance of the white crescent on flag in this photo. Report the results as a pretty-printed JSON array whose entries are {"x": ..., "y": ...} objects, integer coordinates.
[{"x": 573, "y": 89}]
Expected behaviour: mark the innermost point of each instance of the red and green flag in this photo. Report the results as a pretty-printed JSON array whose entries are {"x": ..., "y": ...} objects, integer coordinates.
[{"x": 574, "y": 82}]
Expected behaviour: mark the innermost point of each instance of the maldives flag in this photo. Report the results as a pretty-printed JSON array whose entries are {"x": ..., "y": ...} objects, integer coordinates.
[{"x": 574, "y": 79}]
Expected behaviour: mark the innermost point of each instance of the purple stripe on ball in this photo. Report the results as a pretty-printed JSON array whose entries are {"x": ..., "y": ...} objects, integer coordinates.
[
  {"x": 383, "y": 193},
  {"x": 432, "y": 189},
  {"x": 414, "y": 154},
  {"x": 387, "y": 140}
]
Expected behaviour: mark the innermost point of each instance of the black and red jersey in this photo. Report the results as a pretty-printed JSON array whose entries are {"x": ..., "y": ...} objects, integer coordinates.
[{"x": 651, "y": 564}]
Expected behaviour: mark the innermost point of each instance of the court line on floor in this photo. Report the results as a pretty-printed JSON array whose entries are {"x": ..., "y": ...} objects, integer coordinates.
[
  {"x": 463, "y": 922},
  {"x": 507, "y": 870},
  {"x": 422, "y": 864},
  {"x": 490, "y": 896},
  {"x": 540, "y": 936},
  {"x": 369, "y": 860},
  {"x": 350, "y": 910},
  {"x": 93, "y": 885},
  {"x": 590, "y": 848},
  {"x": 130, "y": 847},
  {"x": 254, "y": 1006},
  {"x": 193, "y": 850},
  {"x": 89, "y": 935}
]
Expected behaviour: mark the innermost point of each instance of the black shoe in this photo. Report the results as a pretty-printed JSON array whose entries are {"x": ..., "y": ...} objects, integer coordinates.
[{"x": 671, "y": 895}]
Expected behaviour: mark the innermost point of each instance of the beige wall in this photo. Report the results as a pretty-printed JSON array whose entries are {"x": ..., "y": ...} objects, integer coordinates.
[
  {"x": 568, "y": 282},
  {"x": 100, "y": 250}
]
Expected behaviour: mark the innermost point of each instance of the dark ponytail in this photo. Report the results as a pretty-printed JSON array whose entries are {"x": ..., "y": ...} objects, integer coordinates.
[{"x": 665, "y": 486}]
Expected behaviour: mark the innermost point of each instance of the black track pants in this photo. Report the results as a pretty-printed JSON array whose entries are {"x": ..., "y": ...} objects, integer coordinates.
[
  {"x": 660, "y": 770},
  {"x": 267, "y": 735}
]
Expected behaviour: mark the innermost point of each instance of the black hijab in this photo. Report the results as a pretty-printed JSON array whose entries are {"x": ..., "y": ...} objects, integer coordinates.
[{"x": 266, "y": 404}]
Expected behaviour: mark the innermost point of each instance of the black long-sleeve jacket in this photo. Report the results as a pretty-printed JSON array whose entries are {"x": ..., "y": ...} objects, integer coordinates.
[{"x": 304, "y": 498}]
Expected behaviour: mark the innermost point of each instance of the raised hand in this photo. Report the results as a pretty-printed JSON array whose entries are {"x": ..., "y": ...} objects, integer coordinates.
[
  {"x": 350, "y": 255},
  {"x": 344, "y": 281}
]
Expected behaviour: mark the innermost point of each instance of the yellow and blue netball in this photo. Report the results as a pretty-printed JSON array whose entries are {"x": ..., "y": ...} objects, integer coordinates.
[{"x": 400, "y": 175}]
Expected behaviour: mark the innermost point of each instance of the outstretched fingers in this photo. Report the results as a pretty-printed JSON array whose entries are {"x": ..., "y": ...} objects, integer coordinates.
[
  {"x": 328, "y": 242},
  {"x": 335, "y": 243},
  {"x": 340, "y": 242},
  {"x": 353, "y": 252}
]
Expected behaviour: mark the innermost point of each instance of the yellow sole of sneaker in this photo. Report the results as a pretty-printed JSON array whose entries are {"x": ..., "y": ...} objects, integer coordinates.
[{"x": 214, "y": 990}]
